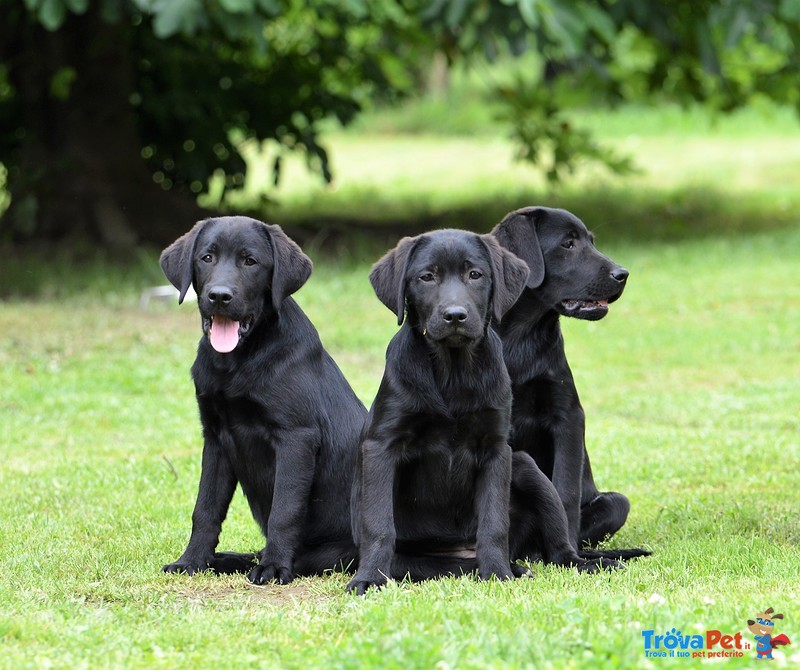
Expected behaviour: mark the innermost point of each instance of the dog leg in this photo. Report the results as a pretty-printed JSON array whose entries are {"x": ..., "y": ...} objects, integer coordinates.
[
  {"x": 539, "y": 523},
  {"x": 377, "y": 534},
  {"x": 602, "y": 516},
  {"x": 491, "y": 502},
  {"x": 295, "y": 455},
  {"x": 217, "y": 485}
]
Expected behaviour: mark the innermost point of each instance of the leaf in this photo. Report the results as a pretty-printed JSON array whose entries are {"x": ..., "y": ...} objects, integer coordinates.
[
  {"x": 271, "y": 7},
  {"x": 456, "y": 12},
  {"x": 599, "y": 22},
  {"x": 237, "y": 6},
  {"x": 52, "y": 14},
  {"x": 789, "y": 10},
  {"x": 527, "y": 10},
  {"x": 77, "y": 6},
  {"x": 173, "y": 16},
  {"x": 566, "y": 28}
]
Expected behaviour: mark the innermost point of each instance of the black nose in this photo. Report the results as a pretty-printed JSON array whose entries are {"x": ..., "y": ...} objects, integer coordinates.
[
  {"x": 620, "y": 274},
  {"x": 454, "y": 314},
  {"x": 220, "y": 295}
]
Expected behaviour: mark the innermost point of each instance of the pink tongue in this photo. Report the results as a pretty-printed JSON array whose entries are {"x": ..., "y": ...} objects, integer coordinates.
[
  {"x": 224, "y": 334},
  {"x": 602, "y": 303}
]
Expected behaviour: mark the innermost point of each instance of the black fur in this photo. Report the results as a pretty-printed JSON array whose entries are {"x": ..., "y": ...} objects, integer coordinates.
[
  {"x": 433, "y": 488},
  {"x": 278, "y": 416},
  {"x": 568, "y": 277}
]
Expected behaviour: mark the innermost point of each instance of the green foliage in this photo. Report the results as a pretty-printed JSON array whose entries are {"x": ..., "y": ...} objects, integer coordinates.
[
  {"x": 544, "y": 136},
  {"x": 52, "y": 13},
  {"x": 723, "y": 54},
  {"x": 210, "y": 76}
]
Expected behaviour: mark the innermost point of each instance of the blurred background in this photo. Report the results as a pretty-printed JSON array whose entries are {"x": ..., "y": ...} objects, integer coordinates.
[{"x": 351, "y": 122}]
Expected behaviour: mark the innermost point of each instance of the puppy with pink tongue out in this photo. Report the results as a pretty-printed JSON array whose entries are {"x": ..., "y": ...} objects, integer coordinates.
[{"x": 279, "y": 419}]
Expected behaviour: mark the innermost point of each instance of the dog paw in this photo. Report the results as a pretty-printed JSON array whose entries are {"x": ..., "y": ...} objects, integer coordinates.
[
  {"x": 187, "y": 565},
  {"x": 520, "y": 571},
  {"x": 264, "y": 574},
  {"x": 501, "y": 572},
  {"x": 360, "y": 584},
  {"x": 597, "y": 564}
]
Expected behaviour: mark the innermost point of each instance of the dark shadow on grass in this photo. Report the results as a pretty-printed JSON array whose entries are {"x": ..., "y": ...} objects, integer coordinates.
[{"x": 615, "y": 214}]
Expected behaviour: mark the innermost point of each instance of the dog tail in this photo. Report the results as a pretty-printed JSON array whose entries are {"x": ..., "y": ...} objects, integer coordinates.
[{"x": 615, "y": 554}]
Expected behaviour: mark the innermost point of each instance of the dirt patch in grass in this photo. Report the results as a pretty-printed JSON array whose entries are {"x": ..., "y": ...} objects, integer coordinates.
[{"x": 301, "y": 590}]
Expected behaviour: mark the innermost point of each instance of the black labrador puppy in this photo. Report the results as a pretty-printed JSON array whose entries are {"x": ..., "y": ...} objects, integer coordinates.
[
  {"x": 278, "y": 416},
  {"x": 568, "y": 277},
  {"x": 432, "y": 492}
]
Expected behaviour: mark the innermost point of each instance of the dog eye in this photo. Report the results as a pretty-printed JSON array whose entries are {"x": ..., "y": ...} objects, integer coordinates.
[
  {"x": 475, "y": 274},
  {"x": 207, "y": 258},
  {"x": 428, "y": 276},
  {"x": 250, "y": 261},
  {"x": 568, "y": 244}
]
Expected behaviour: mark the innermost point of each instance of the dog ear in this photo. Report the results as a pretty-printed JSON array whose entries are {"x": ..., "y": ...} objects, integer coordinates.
[
  {"x": 177, "y": 260},
  {"x": 509, "y": 275},
  {"x": 291, "y": 267},
  {"x": 517, "y": 233},
  {"x": 388, "y": 277}
]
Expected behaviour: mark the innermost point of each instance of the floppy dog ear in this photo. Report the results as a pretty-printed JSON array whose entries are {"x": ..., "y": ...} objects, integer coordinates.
[
  {"x": 291, "y": 267},
  {"x": 517, "y": 233},
  {"x": 177, "y": 260},
  {"x": 388, "y": 277},
  {"x": 509, "y": 275}
]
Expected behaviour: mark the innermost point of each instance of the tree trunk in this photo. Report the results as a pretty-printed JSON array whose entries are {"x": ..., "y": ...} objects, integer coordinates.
[{"x": 80, "y": 172}]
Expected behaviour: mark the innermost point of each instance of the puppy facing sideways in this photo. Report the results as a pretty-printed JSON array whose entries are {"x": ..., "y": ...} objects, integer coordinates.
[
  {"x": 569, "y": 277},
  {"x": 278, "y": 416},
  {"x": 433, "y": 494}
]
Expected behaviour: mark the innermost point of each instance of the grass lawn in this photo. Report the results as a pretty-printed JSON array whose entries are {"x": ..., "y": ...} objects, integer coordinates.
[{"x": 691, "y": 387}]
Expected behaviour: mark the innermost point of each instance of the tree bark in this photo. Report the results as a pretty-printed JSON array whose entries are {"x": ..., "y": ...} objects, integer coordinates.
[{"x": 80, "y": 173}]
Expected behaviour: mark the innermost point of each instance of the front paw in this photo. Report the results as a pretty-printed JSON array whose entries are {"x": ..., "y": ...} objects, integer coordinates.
[
  {"x": 270, "y": 572},
  {"x": 361, "y": 583},
  {"x": 501, "y": 572},
  {"x": 189, "y": 565}
]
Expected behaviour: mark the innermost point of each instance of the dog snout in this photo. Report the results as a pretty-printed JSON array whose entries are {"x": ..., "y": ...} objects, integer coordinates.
[
  {"x": 454, "y": 314},
  {"x": 220, "y": 295},
  {"x": 619, "y": 274}
]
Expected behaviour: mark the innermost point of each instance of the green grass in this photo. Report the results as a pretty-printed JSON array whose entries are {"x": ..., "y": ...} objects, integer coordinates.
[
  {"x": 691, "y": 387},
  {"x": 691, "y": 391}
]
